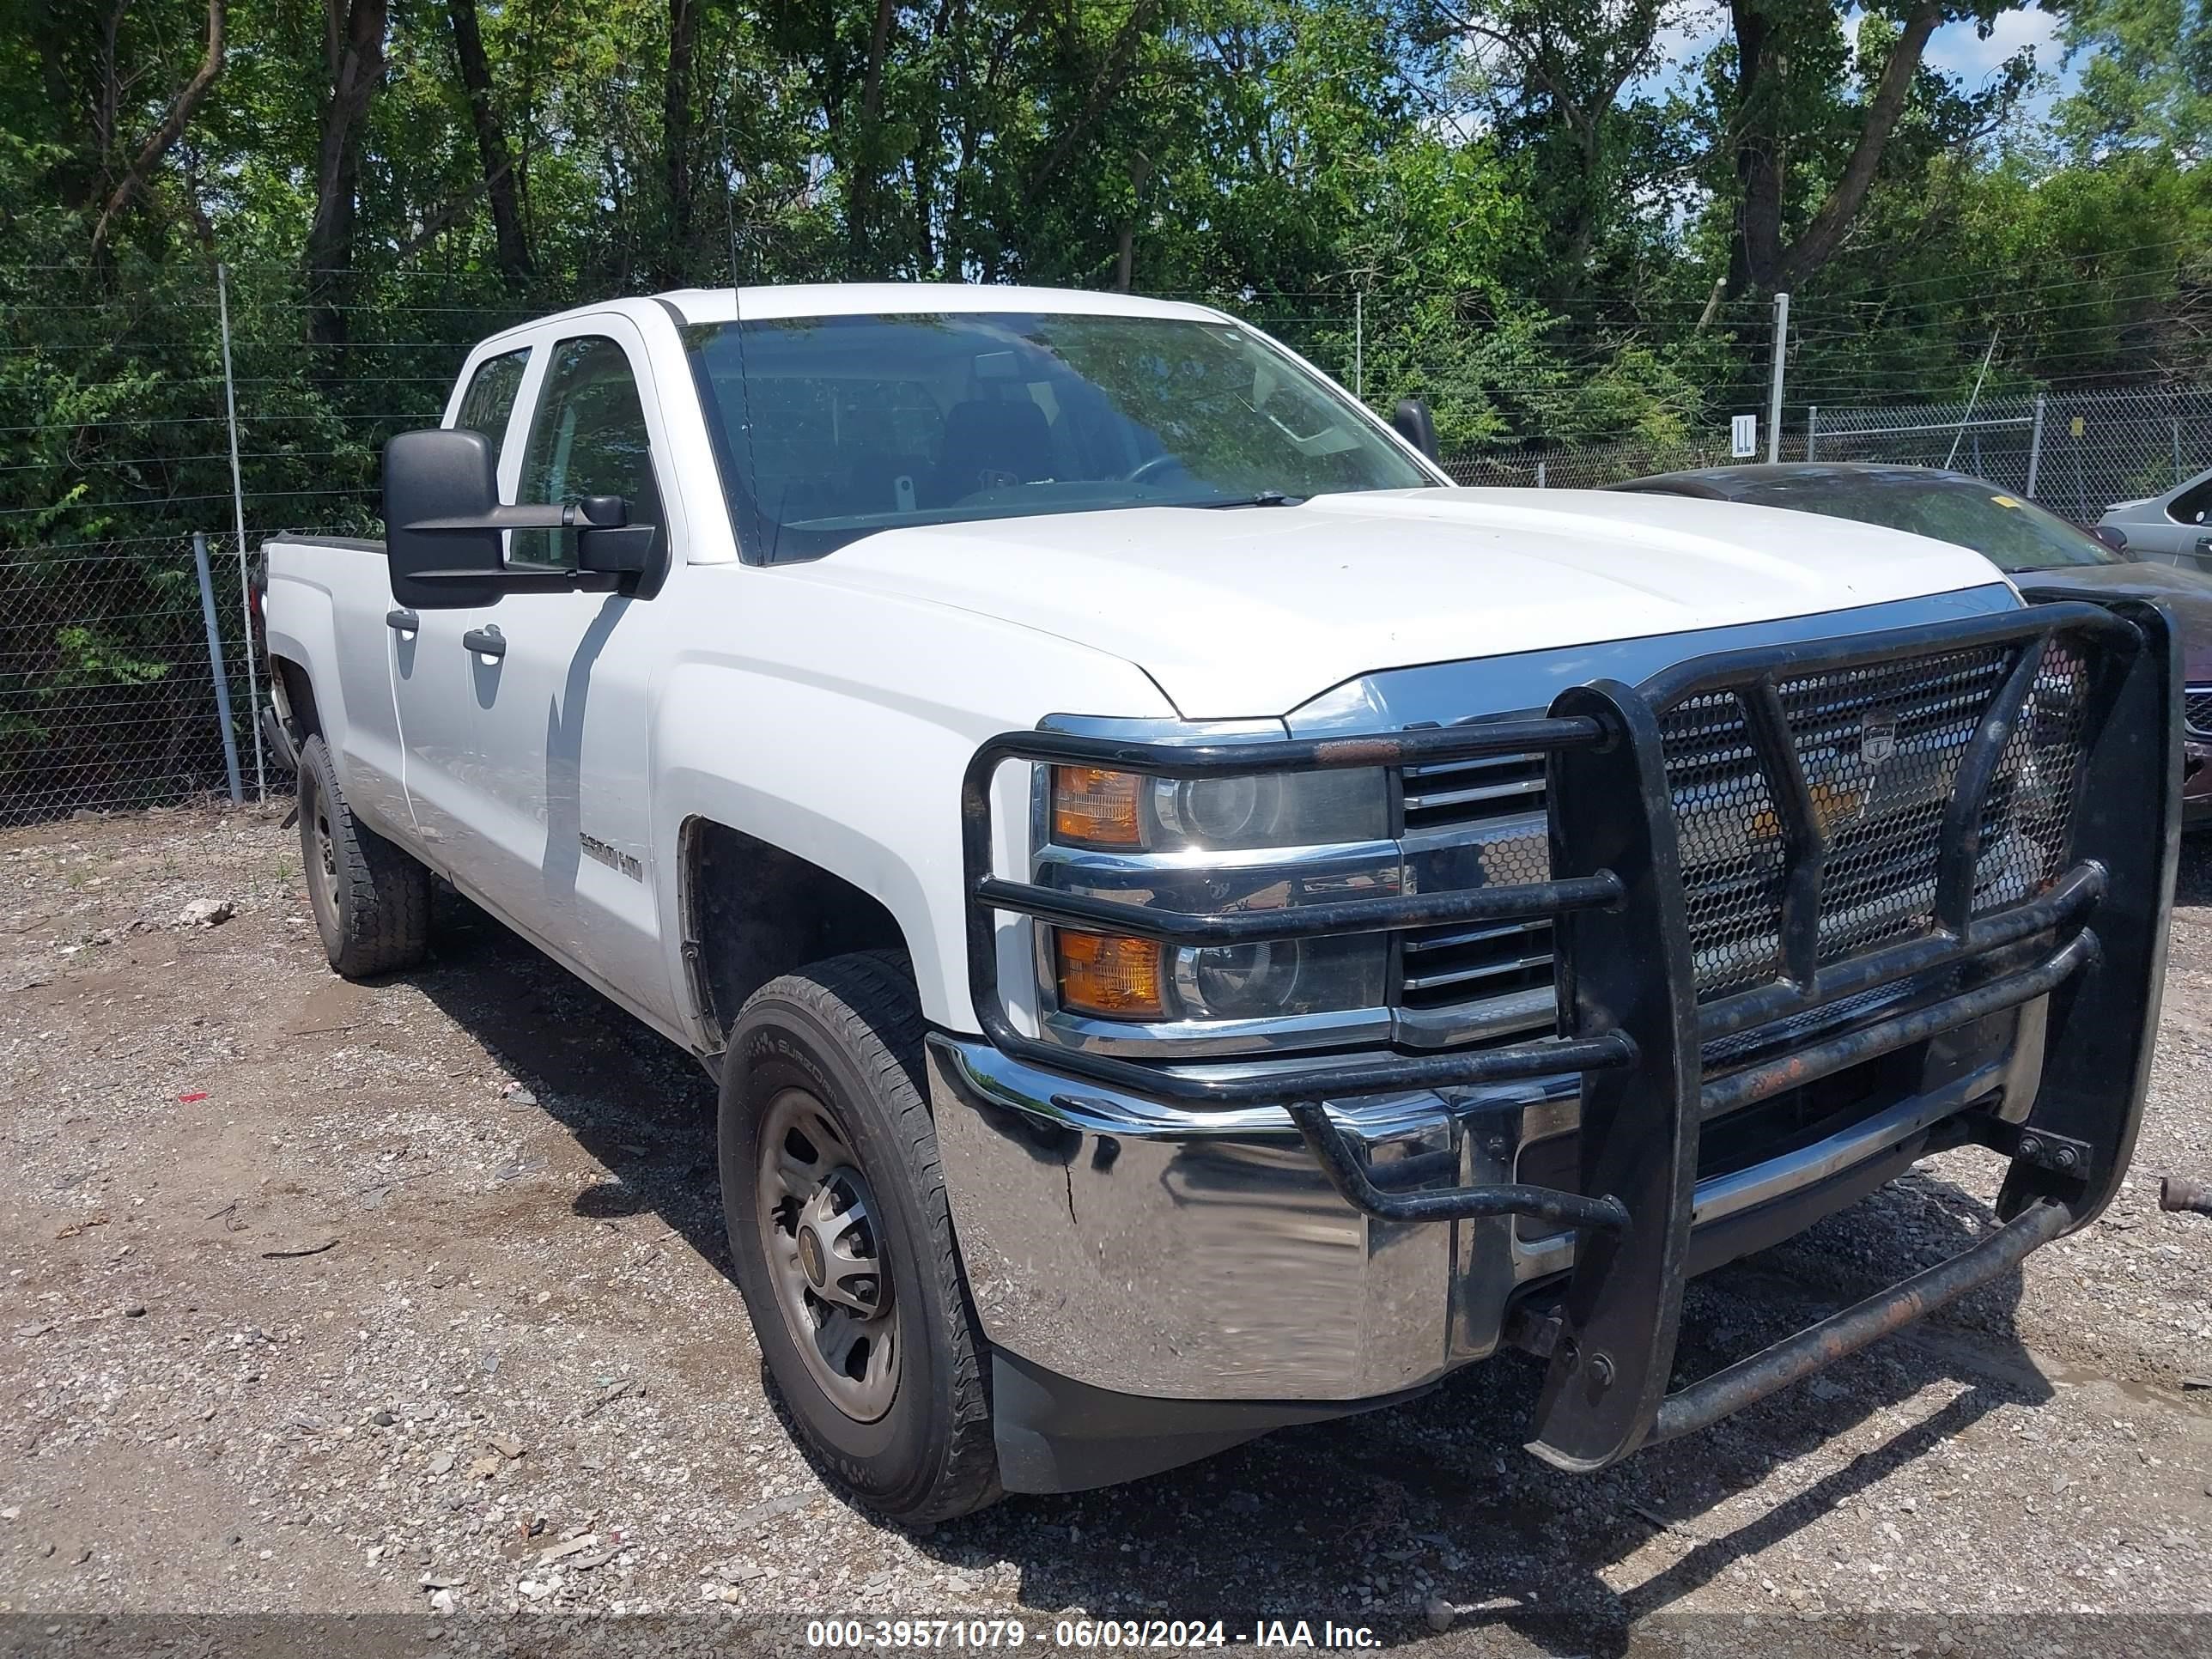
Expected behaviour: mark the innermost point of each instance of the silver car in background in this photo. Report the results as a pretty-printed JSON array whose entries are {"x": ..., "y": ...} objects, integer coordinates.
[{"x": 2175, "y": 528}]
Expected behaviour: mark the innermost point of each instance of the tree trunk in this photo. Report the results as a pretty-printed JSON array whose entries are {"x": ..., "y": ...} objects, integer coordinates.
[
  {"x": 1755, "y": 254},
  {"x": 861, "y": 194},
  {"x": 1821, "y": 238},
  {"x": 1760, "y": 258},
  {"x": 511, "y": 246},
  {"x": 355, "y": 55},
  {"x": 173, "y": 123},
  {"x": 676, "y": 131}
]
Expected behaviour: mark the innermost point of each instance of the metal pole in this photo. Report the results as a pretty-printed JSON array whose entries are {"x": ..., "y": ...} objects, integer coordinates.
[
  {"x": 1774, "y": 391},
  {"x": 1811, "y": 431},
  {"x": 1539, "y": 476},
  {"x": 2080, "y": 483},
  {"x": 2035, "y": 446},
  {"x": 1973, "y": 398},
  {"x": 2177, "y": 452},
  {"x": 1358, "y": 345},
  {"x": 214, "y": 666},
  {"x": 238, "y": 504}
]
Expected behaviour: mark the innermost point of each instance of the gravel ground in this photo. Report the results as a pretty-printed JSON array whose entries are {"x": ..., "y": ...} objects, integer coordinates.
[{"x": 374, "y": 1299}]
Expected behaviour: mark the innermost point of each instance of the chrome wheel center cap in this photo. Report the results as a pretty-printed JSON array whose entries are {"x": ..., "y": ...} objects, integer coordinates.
[{"x": 809, "y": 1256}]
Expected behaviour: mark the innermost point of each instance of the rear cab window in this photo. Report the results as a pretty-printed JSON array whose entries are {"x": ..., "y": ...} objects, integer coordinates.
[{"x": 489, "y": 403}]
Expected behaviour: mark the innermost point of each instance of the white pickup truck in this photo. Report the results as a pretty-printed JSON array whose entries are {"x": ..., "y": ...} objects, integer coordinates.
[{"x": 1201, "y": 925}]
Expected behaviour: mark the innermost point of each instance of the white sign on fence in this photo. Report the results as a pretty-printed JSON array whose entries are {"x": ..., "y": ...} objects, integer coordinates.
[{"x": 1743, "y": 436}]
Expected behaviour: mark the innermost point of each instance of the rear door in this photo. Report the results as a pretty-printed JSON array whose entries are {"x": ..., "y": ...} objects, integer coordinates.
[{"x": 525, "y": 720}]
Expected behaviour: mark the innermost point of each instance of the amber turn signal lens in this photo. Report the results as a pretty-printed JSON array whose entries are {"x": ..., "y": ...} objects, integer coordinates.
[
  {"x": 1107, "y": 974},
  {"x": 1093, "y": 807}
]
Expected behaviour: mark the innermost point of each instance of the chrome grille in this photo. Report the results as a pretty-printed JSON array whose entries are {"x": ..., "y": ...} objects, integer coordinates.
[
  {"x": 1470, "y": 791},
  {"x": 2197, "y": 709},
  {"x": 1476, "y": 823},
  {"x": 1881, "y": 747}
]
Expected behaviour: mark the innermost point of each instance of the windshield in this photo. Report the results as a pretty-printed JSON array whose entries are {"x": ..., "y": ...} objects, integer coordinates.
[
  {"x": 2013, "y": 534},
  {"x": 828, "y": 429}
]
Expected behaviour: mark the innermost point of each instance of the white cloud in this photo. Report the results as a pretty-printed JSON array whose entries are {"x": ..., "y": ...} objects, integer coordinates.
[{"x": 1956, "y": 49}]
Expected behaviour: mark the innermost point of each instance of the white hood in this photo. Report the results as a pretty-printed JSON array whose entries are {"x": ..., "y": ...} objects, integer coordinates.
[{"x": 1254, "y": 610}]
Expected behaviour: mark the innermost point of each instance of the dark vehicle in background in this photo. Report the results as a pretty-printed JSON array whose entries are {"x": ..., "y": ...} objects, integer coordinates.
[{"x": 2033, "y": 546}]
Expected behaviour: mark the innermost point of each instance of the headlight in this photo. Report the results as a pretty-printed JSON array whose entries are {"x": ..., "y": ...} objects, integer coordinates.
[
  {"x": 1284, "y": 977},
  {"x": 1121, "y": 978},
  {"x": 1108, "y": 976},
  {"x": 1095, "y": 807}
]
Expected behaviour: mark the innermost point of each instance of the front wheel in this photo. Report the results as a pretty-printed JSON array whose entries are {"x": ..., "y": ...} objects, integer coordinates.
[{"x": 843, "y": 1238}]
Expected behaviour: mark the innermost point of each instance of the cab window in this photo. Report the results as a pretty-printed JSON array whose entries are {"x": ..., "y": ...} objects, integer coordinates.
[
  {"x": 489, "y": 400},
  {"x": 587, "y": 437}
]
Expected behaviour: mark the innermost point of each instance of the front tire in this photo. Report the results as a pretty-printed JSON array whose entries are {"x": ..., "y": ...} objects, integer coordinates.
[
  {"x": 842, "y": 1239},
  {"x": 371, "y": 902}
]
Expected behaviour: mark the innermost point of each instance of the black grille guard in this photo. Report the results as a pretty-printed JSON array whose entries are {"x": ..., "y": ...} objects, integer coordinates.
[{"x": 1630, "y": 1023}]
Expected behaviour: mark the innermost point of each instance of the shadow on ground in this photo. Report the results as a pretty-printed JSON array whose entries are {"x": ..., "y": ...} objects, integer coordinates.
[{"x": 1349, "y": 1520}]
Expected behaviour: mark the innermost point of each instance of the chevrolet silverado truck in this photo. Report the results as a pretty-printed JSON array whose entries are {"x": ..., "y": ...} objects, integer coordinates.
[{"x": 1199, "y": 924}]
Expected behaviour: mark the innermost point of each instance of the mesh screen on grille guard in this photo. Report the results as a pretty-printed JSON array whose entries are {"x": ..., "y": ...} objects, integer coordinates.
[{"x": 1881, "y": 747}]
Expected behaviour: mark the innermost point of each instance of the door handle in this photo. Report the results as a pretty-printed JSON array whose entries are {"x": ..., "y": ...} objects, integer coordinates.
[
  {"x": 2204, "y": 543},
  {"x": 403, "y": 620},
  {"x": 485, "y": 642}
]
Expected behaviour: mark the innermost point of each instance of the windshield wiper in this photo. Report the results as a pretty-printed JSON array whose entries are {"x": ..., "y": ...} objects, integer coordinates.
[{"x": 1263, "y": 498}]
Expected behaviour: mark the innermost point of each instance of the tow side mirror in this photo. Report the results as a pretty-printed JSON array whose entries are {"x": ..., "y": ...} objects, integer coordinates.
[
  {"x": 1417, "y": 427},
  {"x": 440, "y": 486},
  {"x": 442, "y": 525},
  {"x": 2113, "y": 538}
]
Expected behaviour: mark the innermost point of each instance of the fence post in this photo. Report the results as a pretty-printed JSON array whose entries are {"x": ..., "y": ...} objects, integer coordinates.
[
  {"x": 2035, "y": 446},
  {"x": 2177, "y": 452},
  {"x": 1540, "y": 475},
  {"x": 1358, "y": 346},
  {"x": 1812, "y": 431},
  {"x": 238, "y": 503},
  {"x": 1774, "y": 391},
  {"x": 214, "y": 666}
]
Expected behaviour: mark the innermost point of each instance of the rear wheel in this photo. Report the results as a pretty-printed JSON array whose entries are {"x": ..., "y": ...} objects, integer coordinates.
[
  {"x": 371, "y": 902},
  {"x": 843, "y": 1238}
]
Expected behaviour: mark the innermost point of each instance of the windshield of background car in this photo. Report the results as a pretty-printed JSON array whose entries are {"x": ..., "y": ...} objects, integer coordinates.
[
  {"x": 829, "y": 429},
  {"x": 2012, "y": 533}
]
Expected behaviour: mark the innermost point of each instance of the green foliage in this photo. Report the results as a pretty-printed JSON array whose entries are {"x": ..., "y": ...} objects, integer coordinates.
[
  {"x": 2146, "y": 79},
  {"x": 1525, "y": 213}
]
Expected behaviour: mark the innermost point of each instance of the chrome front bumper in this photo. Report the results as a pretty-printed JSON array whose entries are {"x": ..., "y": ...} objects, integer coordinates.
[{"x": 1182, "y": 1253}]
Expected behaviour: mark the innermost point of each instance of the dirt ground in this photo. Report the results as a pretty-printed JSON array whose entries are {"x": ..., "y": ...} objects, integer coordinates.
[{"x": 366, "y": 1299}]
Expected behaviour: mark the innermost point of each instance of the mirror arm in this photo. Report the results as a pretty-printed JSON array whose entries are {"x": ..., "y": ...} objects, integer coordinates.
[
  {"x": 592, "y": 512},
  {"x": 506, "y": 518}
]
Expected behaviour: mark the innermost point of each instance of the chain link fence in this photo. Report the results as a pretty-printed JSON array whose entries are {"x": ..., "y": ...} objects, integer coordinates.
[
  {"x": 108, "y": 689},
  {"x": 123, "y": 394},
  {"x": 2075, "y": 452},
  {"x": 115, "y": 439}
]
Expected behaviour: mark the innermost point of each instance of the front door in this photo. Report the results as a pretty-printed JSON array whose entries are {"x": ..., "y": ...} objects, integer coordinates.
[{"x": 525, "y": 720}]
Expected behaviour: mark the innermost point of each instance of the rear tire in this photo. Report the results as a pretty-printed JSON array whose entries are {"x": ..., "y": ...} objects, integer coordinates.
[
  {"x": 842, "y": 1239},
  {"x": 371, "y": 902}
]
